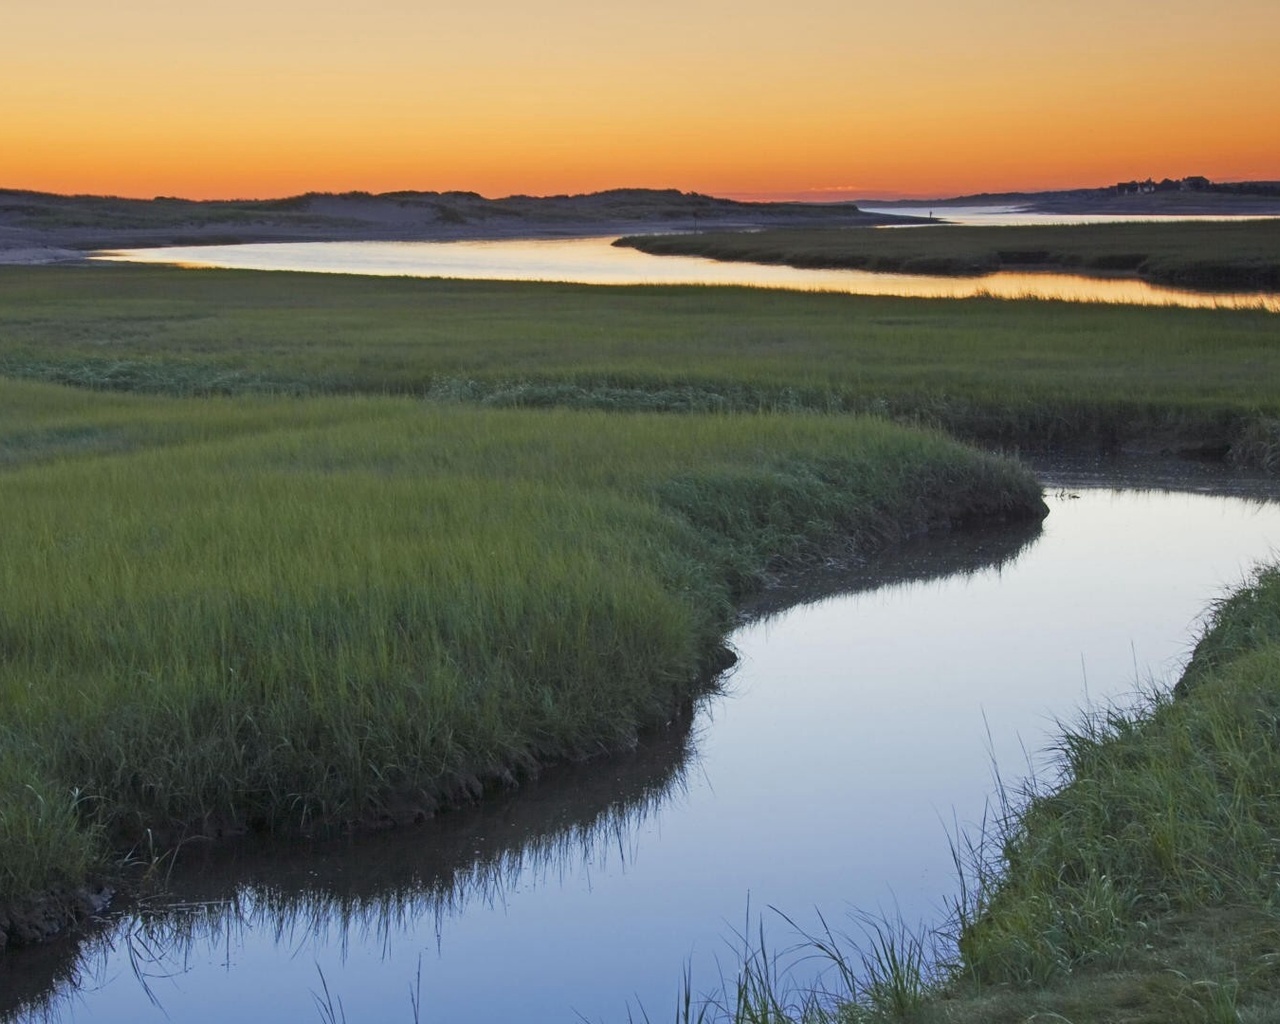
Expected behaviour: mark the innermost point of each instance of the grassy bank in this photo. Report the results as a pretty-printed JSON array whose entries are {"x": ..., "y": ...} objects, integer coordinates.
[
  {"x": 1143, "y": 887},
  {"x": 1239, "y": 256},
  {"x": 1014, "y": 373},
  {"x": 266, "y": 613},
  {"x": 1139, "y": 887}
]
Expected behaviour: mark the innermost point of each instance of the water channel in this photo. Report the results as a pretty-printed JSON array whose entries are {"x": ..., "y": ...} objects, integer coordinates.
[
  {"x": 858, "y": 732},
  {"x": 597, "y": 261}
]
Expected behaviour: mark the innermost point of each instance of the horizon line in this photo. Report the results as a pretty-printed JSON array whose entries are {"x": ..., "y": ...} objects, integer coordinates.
[{"x": 811, "y": 196}]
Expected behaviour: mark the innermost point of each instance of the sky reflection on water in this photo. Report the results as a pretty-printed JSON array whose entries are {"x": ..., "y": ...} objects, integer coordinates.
[{"x": 597, "y": 261}]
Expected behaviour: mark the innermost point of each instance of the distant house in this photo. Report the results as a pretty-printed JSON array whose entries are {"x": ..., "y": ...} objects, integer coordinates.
[{"x": 1194, "y": 183}]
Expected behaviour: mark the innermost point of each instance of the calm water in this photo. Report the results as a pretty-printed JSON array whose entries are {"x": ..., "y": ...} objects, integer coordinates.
[
  {"x": 597, "y": 261},
  {"x": 856, "y": 730}
]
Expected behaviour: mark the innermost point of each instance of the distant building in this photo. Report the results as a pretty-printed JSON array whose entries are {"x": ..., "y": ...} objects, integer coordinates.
[{"x": 1194, "y": 183}]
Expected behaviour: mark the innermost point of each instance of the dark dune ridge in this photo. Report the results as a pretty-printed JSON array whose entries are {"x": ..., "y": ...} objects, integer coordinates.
[{"x": 39, "y": 227}]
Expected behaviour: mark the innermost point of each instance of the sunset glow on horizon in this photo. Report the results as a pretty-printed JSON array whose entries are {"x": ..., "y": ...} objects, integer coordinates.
[{"x": 812, "y": 100}]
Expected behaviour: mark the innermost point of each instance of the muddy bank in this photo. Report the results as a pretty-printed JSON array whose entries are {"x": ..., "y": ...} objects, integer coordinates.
[
  {"x": 461, "y": 855},
  {"x": 42, "y": 918},
  {"x": 649, "y": 765}
]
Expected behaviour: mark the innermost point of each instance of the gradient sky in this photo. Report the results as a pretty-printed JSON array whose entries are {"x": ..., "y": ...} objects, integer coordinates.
[{"x": 812, "y": 98}]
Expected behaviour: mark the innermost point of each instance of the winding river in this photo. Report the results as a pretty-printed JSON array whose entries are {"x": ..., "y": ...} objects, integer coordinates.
[
  {"x": 598, "y": 261},
  {"x": 857, "y": 737},
  {"x": 857, "y": 734}
]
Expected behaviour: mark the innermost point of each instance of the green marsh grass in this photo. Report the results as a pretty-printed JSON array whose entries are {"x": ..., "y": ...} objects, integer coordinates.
[
  {"x": 1167, "y": 808},
  {"x": 267, "y": 613},
  {"x": 1014, "y": 373}
]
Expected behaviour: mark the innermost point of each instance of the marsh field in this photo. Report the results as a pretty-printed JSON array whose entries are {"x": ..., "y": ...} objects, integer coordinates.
[
  {"x": 294, "y": 553},
  {"x": 1021, "y": 374}
]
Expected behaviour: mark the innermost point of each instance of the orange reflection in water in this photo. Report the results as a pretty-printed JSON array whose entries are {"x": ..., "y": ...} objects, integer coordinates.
[
  {"x": 1063, "y": 287},
  {"x": 597, "y": 261}
]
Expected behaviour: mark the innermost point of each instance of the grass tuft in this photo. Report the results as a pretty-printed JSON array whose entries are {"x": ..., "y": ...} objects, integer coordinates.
[{"x": 284, "y": 615}]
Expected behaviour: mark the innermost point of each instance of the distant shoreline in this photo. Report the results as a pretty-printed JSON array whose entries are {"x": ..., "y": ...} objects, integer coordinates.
[
  {"x": 41, "y": 228},
  {"x": 1104, "y": 202},
  {"x": 36, "y": 228}
]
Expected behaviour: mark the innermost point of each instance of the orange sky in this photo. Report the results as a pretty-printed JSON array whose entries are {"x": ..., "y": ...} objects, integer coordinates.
[{"x": 820, "y": 97}]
